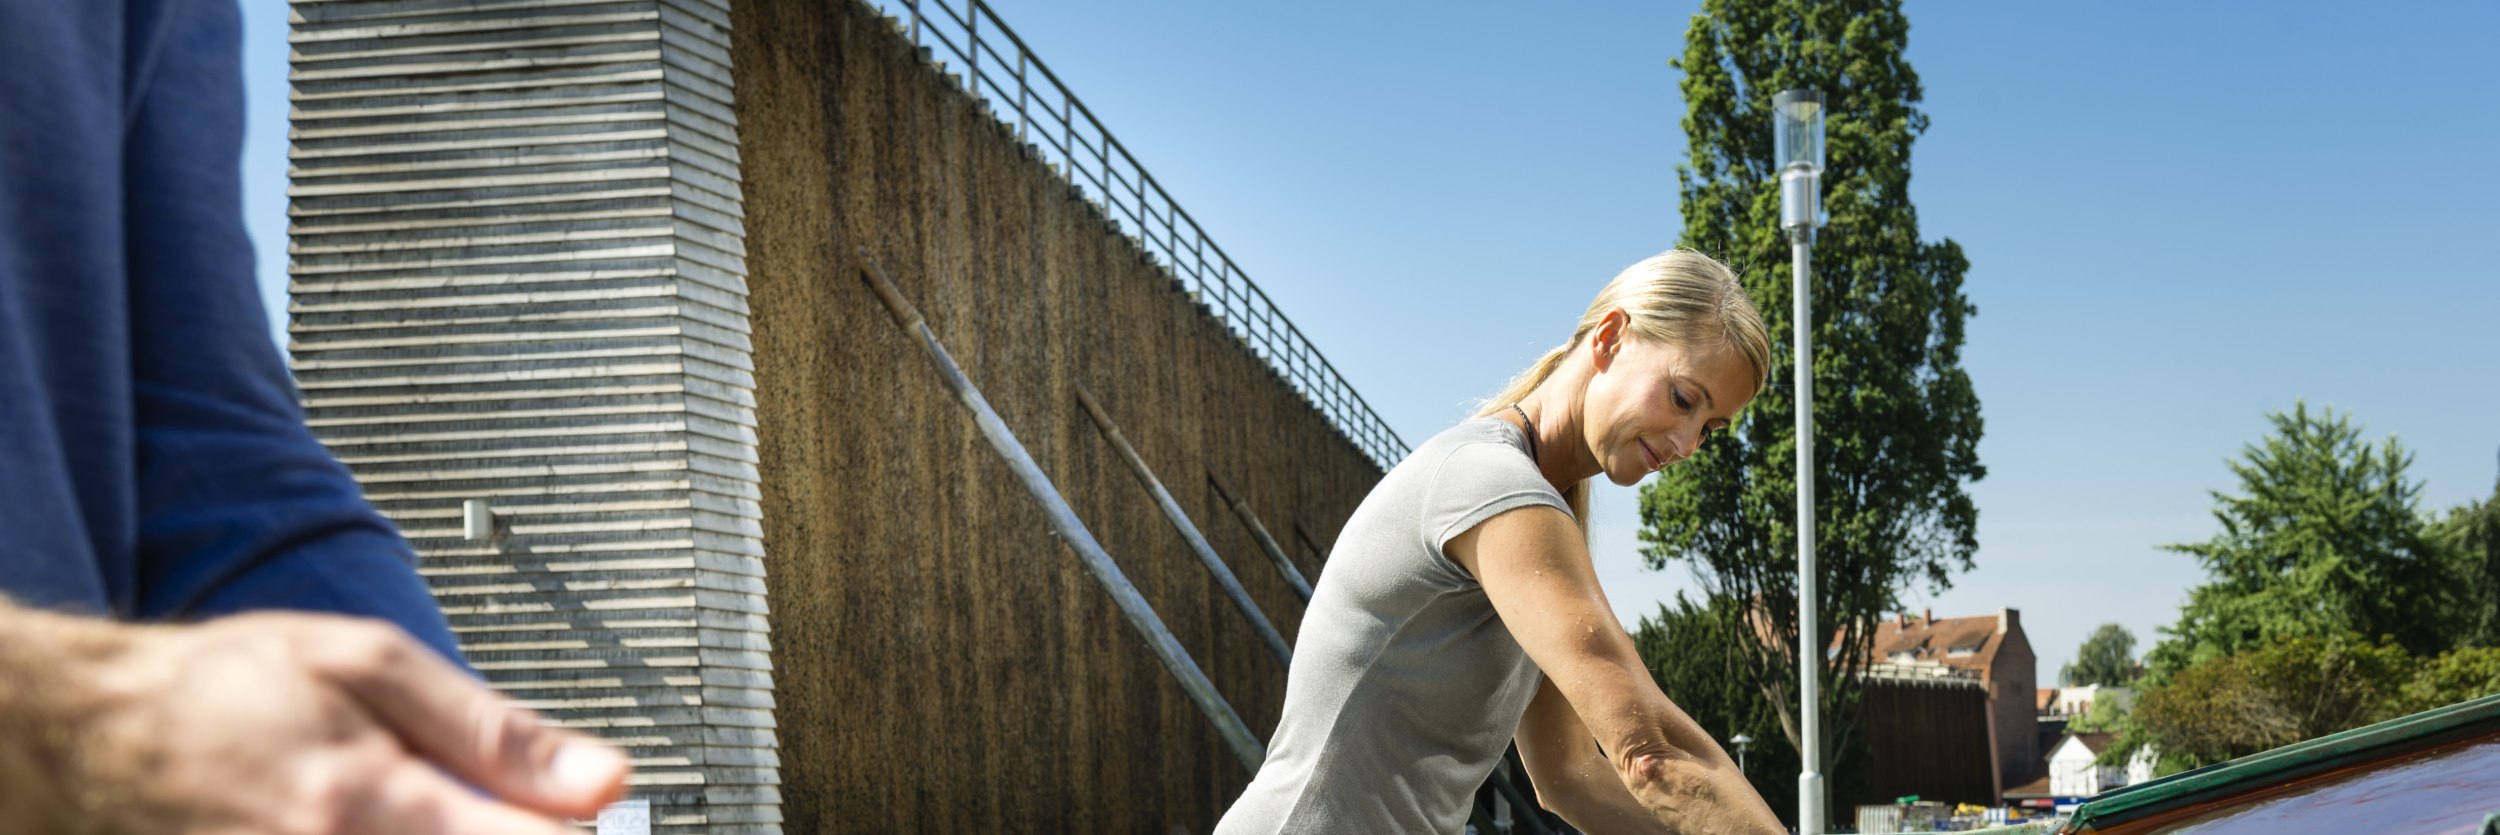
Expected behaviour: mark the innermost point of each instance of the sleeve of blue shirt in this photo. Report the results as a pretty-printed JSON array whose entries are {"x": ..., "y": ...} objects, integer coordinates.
[{"x": 239, "y": 506}]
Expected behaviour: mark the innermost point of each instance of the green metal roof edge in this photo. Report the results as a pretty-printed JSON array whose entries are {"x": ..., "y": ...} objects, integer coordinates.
[{"x": 2290, "y": 762}]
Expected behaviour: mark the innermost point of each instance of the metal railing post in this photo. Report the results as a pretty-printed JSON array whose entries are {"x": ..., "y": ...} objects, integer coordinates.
[
  {"x": 1522, "y": 812},
  {"x": 1064, "y": 522},
  {"x": 1230, "y": 297}
]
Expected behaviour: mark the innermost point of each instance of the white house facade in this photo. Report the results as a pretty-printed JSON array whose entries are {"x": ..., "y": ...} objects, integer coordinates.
[{"x": 2073, "y": 772}]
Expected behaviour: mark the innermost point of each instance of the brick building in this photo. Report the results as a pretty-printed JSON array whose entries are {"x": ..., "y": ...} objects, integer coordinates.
[{"x": 1993, "y": 650}]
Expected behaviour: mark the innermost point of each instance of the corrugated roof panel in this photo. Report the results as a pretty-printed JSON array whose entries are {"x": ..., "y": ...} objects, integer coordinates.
[{"x": 2443, "y": 764}]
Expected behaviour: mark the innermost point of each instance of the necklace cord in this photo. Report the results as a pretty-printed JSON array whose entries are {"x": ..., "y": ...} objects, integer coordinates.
[{"x": 1523, "y": 418}]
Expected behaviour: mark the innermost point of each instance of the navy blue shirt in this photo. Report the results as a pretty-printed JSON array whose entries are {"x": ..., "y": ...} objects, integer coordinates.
[{"x": 154, "y": 462}]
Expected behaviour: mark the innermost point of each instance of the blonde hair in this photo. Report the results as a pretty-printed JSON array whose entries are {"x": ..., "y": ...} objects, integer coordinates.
[{"x": 1678, "y": 297}]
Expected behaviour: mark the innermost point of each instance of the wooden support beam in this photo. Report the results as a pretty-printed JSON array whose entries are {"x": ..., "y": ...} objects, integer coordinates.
[
  {"x": 1071, "y": 530},
  {"x": 1275, "y": 553},
  {"x": 1198, "y": 544}
]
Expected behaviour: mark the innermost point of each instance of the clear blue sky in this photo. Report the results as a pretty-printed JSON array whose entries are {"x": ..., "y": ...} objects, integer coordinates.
[{"x": 2179, "y": 217}]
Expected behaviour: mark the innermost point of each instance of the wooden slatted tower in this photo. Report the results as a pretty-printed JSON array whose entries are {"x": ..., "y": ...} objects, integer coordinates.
[{"x": 519, "y": 278}]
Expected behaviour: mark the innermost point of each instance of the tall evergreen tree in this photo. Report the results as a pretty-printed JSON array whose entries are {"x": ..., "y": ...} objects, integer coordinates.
[
  {"x": 2471, "y": 534},
  {"x": 1897, "y": 423},
  {"x": 2323, "y": 538}
]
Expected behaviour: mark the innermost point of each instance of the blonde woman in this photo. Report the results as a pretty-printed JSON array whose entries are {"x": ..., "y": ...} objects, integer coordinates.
[{"x": 1460, "y": 611}]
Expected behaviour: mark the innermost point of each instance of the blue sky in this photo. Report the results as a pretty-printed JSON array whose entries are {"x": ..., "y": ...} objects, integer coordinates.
[{"x": 2179, "y": 217}]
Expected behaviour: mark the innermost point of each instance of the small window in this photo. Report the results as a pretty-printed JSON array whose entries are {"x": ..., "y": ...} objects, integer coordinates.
[{"x": 1961, "y": 652}]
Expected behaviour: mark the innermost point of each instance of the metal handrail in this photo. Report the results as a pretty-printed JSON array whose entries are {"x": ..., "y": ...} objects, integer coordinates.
[{"x": 1049, "y": 118}]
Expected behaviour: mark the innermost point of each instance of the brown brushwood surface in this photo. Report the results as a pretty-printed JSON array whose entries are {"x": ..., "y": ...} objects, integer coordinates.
[{"x": 943, "y": 664}]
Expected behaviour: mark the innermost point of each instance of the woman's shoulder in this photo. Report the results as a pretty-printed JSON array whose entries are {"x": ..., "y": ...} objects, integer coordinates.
[
  {"x": 1486, "y": 452},
  {"x": 1473, "y": 432}
]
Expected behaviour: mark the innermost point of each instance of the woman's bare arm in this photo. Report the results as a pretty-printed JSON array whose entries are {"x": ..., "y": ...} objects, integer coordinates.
[
  {"x": 1573, "y": 778},
  {"x": 1535, "y": 569}
]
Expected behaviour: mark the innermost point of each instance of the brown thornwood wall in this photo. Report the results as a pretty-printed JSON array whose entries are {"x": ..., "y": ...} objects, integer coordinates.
[
  {"x": 943, "y": 663},
  {"x": 1924, "y": 738}
]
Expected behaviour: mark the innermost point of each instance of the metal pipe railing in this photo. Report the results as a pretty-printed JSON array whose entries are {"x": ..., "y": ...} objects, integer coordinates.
[
  {"x": 1267, "y": 544},
  {"x": 1071, "y": 530},
  {"x": 1523, "y": 812},
  {"x": 1198, "y": 544},
  {"x": 1108, "y": 174}
]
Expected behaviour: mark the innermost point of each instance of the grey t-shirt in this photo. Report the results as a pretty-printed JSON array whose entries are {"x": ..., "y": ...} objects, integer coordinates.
[{"x": 1405, "y": 686}]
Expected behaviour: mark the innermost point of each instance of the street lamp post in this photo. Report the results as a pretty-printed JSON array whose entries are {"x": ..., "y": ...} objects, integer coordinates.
[
  {"x": 1740, "y": 741},
  {"x": 1797, "y": 137}
]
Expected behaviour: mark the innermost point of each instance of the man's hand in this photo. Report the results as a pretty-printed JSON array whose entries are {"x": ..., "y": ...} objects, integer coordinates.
[{"x": 272, "y": 723}]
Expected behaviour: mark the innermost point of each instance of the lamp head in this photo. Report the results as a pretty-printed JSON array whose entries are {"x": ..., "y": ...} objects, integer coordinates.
[
  {"x": 1797, "y": 140},
  {"x": 1797, "y": 129}
]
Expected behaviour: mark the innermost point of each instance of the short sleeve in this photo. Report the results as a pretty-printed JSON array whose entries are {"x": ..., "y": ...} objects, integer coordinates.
[{"x": 1478, "y": 481}]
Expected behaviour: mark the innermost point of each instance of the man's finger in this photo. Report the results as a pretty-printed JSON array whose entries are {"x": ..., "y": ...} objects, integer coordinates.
[
  {"x": 468, "y": 730},
  {"x": 415, "y": 799}
]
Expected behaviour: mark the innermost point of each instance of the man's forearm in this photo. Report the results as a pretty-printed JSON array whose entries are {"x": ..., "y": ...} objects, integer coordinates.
[
  {"x": 109, "y": 728},
  {"x": 43, "y": 702}
]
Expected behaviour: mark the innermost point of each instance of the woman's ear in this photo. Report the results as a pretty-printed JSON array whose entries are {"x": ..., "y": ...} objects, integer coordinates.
[{"x": 1607, "y": 337}]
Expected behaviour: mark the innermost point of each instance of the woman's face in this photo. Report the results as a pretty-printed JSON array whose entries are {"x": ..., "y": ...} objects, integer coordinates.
[{"x": 1651, "y": 403}]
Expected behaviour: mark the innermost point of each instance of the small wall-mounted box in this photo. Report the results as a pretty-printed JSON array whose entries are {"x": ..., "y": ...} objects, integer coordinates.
[{"x": 477, "y": 521}]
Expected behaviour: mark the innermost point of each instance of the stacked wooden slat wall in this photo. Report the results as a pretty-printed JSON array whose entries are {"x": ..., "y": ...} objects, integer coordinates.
[{"x": 519, "y": 276}]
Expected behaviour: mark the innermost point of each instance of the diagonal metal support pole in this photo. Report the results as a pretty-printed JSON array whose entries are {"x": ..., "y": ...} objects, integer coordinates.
[
  {"x": 1275, "y": 552},
  {"x": 1189, "y": 531},
  {"x": 1063, "y": 522}
]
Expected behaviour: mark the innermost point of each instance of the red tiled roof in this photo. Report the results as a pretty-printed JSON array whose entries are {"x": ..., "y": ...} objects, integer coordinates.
[
  {"x": 1962, "y": 643},
  {"x": 2048, "y": 698}
]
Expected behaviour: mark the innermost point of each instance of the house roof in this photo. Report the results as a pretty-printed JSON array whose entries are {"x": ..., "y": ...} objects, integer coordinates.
[
  {"x": 2047, "y": 698},
  {"x": 2095, "y": 743},
  {"x": 1963, "y": 643}
]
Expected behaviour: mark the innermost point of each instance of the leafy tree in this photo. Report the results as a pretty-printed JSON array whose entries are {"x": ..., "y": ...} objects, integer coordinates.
[
  {"x": 2287, "y": 691},
  {"x": 2464, "y": 674},
  {"x": 2293, "y": 689},
  {"x": 2324, "y": 538},
  {"x": 2104, "y": 717},
  {"x": 2106, "y": 658},
  {"x": 1897, "y": 422}
]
